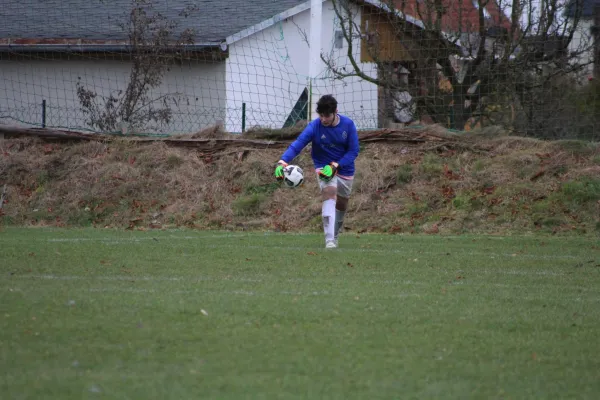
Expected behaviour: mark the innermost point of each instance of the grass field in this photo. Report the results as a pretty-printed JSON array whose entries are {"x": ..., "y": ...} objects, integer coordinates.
[{"x": 198, "y": 315}]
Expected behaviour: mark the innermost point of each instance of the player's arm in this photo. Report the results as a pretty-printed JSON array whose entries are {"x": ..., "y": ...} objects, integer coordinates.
[
  {"x": 300, "y": 143},
  {"x": 353, "y": 148},
  {"x": 294, "y": 149}
]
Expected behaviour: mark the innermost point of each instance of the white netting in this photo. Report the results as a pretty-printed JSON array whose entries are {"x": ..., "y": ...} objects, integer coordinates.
[{"x": 178, "y": 66}]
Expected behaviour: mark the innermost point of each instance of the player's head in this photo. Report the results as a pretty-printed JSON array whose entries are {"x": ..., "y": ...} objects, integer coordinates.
[{"x": 327, "y": 109}]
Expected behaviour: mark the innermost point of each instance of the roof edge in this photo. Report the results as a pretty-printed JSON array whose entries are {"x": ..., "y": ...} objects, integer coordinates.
[
  {"x": 244, "y": 33},
  {"x": 75, "y": 45},
  {"x": 306, "y": 6}
]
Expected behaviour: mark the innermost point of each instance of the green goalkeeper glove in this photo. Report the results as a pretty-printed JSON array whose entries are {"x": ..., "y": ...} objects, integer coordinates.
[
  {"x": 328, "y": 172},
  {"x": 279, "y": 170}
]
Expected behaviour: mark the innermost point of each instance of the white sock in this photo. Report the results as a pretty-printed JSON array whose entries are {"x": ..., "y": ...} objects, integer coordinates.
[
  {"x": 339, "y": 221},
  {"x": 328, "y": 212}
]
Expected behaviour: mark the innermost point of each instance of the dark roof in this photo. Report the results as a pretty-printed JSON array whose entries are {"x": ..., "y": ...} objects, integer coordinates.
[
  {"x": 586, "y": 8},
  {"x": 99, "y": 20}
]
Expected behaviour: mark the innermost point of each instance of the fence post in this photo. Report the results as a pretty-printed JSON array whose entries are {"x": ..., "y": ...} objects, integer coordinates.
[
  {"x": 43, "y": 113},
  {"x": 314, "y": 66},
  {"x": 243, "y": 117}
]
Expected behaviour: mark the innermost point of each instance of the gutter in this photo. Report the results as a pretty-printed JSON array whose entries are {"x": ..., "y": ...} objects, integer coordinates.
[{"x": 90, "y": 48}]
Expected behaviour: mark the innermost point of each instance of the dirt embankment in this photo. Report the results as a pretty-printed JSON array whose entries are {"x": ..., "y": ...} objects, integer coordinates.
[{"x": 427, "y": 181}]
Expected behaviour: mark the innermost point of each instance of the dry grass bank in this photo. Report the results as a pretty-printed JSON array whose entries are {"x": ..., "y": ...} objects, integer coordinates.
[{"x": 483, "y": 182}]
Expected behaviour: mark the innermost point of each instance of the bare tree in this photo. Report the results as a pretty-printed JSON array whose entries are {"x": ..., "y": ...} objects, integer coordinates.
[
  {"x": 153, "y": 49},
  {"x": 459, "y": 64}
]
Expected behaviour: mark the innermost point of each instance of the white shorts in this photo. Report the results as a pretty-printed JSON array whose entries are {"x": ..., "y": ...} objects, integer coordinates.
[{"x": 343, "y": 184}]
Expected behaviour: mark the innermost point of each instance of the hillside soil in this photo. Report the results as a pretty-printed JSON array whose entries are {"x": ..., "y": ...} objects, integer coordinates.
[{"x": 432, "y": 182}]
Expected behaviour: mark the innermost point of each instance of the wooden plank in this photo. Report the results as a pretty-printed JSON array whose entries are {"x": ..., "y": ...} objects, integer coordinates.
[
  {"x": 392, "y": 134},
  {"x": 383, "y": 37},
  {"x": 9, "y": 131},
  {"x": 68, "y": 135}
]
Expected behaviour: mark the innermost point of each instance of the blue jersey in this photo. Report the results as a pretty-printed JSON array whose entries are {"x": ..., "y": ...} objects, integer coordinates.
[{"x": 329, "y": 144}]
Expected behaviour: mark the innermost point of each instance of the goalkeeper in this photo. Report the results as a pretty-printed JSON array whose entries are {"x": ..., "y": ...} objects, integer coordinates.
[{"x": 334, "y": 149}]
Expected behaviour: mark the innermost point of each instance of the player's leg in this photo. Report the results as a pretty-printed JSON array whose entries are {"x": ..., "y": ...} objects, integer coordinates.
[
  {"x": 344, "y": 189},
  {"x": 341, "y": 205},
  {"x": 328, "y": 195}
]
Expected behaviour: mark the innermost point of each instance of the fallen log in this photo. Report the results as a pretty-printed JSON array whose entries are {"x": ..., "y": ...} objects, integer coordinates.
[
  {"x": 10, "y": 131},
  {"x": 409, "y": 135},
  {"x": 46, "y": 133}
]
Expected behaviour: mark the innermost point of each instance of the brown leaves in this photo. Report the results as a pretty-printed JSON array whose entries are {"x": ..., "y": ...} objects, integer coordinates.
[
  {"x": 448, "y": 173},
  {"x": 134, "y": 222},
  {"x": 448, "y": 192},
  {"x": 48, "y": 149},
  {"x": 8, "y": 147},
  {"x": 433, "y": 230},
  {"x": 538, "y": 174},
  {"x": 543, "y": 156},
  {"x": 241, "y": 155},
  {"x": 395, "y": 229},
  {"x": 488, "y": 189}
]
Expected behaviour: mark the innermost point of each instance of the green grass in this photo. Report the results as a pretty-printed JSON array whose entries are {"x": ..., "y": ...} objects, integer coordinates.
[
  {"x": 249, "y": 204},
  {"x": 581, "y": 191},
  {"x": 404, "y": 174},
  {"x": 119, "y": 314}
]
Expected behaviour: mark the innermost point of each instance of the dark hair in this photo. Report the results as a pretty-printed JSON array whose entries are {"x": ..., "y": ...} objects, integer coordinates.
[{"x": 327, "y": 105}]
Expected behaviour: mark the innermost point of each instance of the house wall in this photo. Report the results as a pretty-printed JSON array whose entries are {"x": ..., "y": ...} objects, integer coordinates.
[
  {"x": 269, "y": 70},
  {"x": 198, "y": 87},
  {"x": 583, "y": 44}
]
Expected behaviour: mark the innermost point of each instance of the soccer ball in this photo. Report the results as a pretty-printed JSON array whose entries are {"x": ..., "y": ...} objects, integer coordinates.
[{"x": 293, "y": 176}]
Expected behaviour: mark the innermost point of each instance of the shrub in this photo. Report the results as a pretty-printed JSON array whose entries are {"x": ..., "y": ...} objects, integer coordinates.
[
  {"x": 404, "y": 174},
  {"x": 174, "y": 161},
  {"x": 248, "y": 205},
  {"x": 582, "y": 191}
]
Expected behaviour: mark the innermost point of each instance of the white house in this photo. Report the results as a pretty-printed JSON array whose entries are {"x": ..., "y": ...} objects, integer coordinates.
[
  {"x": 271, "y": 80},
  {"x": 247, "y": 56},
  {"x": 583, "y": 42}
]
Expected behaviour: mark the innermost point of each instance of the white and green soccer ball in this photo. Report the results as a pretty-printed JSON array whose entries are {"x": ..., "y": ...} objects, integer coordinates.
[{"x": 293, "y": 176}]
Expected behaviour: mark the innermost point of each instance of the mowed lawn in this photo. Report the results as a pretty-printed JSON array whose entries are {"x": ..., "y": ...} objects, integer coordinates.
[{"x": 217, "y": 315}]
